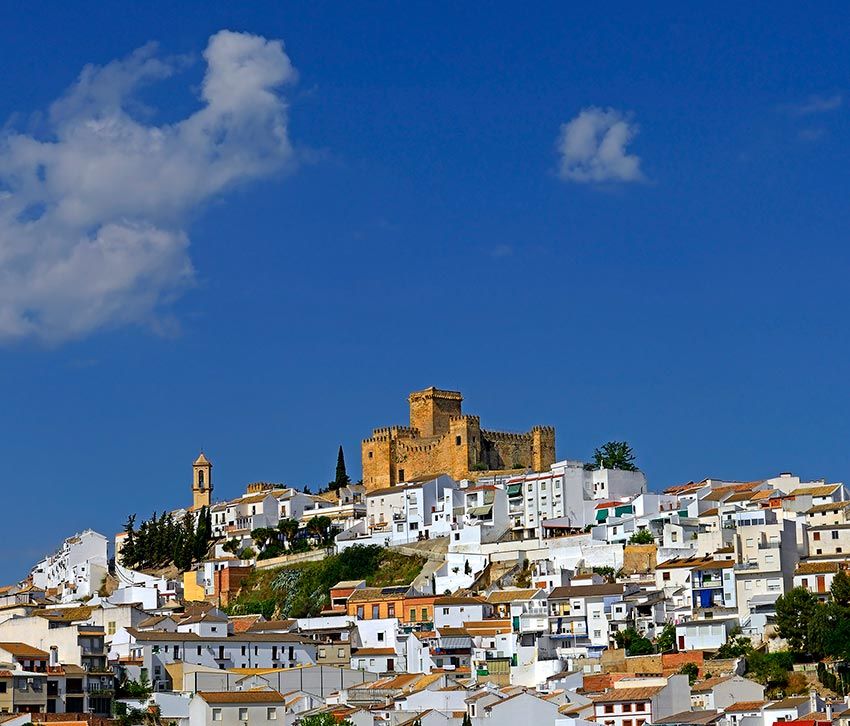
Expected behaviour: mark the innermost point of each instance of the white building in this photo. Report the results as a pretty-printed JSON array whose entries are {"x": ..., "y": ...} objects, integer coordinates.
[
  {"x": 77, "y": 569},
  {"x": 236, "y": 708}
]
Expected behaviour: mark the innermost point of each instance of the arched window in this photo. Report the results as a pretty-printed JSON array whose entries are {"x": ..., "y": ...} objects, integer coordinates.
[{"x": 201, "y": 478}]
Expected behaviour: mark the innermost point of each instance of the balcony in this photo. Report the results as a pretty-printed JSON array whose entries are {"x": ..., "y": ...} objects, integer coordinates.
[{"x": 529, "y": 623}]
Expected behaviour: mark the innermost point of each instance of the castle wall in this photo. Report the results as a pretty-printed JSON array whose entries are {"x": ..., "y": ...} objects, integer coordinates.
[{"x": 457, "y": 445}]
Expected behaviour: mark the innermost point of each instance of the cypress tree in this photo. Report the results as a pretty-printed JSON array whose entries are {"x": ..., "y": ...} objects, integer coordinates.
[
  {"x": 342, "y": 479},
  {"x": 128, "y": 548}
]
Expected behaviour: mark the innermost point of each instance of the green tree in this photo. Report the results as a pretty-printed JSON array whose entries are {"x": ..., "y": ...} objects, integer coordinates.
[
  {"x": 203, "y": 533},
  {"x": 289, "y": 529},
  {"x": 633, "y": 642},
  {"x": 735, "y": 646},
  {"x": 341, "y": 479},
  {"x": 319, "y": 527},
  {"x": 466, "y": 720},
  {"x": 615, "y": 455},
  {"x": 322, "y": 719},
  {"x": 794, "y": 611},
  {"x": 840, "y": 589},
  {"x": 666, "y": 640},
  {"x": 691, "y": 670},
  {"x": 128, "y": 547},
  {"x": 642, "y": 537}
]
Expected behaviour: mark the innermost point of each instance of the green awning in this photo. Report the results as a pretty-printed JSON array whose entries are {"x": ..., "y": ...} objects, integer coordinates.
[
  {"x": 601, "y": 515},
  {"x": 514, "y": 489},
  {"x": 625, "y": 509},
  {"x": 481, "y": 511}
]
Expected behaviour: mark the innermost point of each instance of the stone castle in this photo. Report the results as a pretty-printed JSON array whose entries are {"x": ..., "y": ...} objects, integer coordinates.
[{"x": 443, "y": 440}]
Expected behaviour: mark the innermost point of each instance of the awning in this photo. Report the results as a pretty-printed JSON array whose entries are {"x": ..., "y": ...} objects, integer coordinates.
[
  {"x": 601, "y": 515},
  {"x": 514, "y": 489},
  {"x": 481, "y": 511}
]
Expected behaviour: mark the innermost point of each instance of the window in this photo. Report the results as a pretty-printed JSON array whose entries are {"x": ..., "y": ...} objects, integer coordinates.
[
  {"x": 243, "y": 650},
  {"x": 665, "y": 576},
  {"x": 626, "y": 721},
  {"x": 457, "y": 440},
  {"x": 360, "y": 612},
  {"x": 424, "y": 613},
  {"x": 216, "y": 714},
  {"x": 816, "y": 537},
  {"x": 110, "y": 627},
  {"x": 340, "y": 652},
  {"x": 597, "y": 633},
  {"x": 835, "y": 534},
  {"x": 627, "y": 708},
  {"x": 445, "y": 611},
  {"x": 412, "y": 615},
  {"x": 370, "y": 454},
  {"x": 271, "y": 714},
  {"x": 243, "y": 714},
  {"x": 609, "y": 708},
  {"x": 2, "y": 688},
  {"x": 380, "y": 637},
  {"x": 201, "y": 478},
  {"x": 401, "y": 474},
  {"x": 376, "y": 612}
]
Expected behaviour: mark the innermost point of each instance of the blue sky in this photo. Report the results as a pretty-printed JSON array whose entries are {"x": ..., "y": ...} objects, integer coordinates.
[{"x": 630, "y": 223}]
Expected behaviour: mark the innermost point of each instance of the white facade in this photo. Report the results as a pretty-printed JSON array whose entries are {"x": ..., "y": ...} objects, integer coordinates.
[{"x": 77, "y": 568}]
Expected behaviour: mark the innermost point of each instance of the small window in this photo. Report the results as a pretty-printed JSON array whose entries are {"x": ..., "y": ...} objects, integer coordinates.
[
  {"x": 816, "y": 537},
  {"x": 380, "y": 637},
  {"x": 665, "y": 576},
  {"x": 340, "y": 653},
  {"x": 216, "y": 716},
  {"x": 370, "y": 454},
  {"x": 457, "y": 440},
  {"x": 412, "y": 614},
  {"x": 401, "y": 474},
  {"x": 609, "y": 708},
  {"x": 271, "y": 714},
  {"x": 835, "y": 534},
  {"x": 243, "y": 714}
]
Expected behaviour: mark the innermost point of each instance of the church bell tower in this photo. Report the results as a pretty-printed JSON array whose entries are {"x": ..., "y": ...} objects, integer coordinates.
[{"x": 201, "y": 482}]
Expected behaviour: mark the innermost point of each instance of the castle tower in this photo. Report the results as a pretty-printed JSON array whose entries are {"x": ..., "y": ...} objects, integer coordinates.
[
  {"x": 201, "y": 482},
  {"x": 432, "y": 409}
]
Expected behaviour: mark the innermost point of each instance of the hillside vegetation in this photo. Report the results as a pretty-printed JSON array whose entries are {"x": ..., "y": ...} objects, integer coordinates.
[{"x": 303, "y": 590}]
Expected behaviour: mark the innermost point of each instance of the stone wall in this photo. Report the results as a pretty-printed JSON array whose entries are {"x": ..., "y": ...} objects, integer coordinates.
[{"x": 442, "y": 440}]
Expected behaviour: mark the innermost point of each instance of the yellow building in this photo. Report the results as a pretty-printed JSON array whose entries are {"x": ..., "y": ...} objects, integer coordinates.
[{"x": 441, "y": 439}]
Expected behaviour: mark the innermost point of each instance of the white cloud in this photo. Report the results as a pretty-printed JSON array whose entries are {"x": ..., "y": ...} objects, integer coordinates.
[
  {"x": 593, "y": 147},
  {"x": 815, "y": 105},
  {"x": 93, "y": 213}
]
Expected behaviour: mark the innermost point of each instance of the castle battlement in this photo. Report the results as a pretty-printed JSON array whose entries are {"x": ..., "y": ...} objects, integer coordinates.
[
  {"x": 505, "y": 435},
  {"x": 442, "y": 439}
]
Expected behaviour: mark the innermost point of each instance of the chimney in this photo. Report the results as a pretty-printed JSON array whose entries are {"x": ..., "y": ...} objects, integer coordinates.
[
  {"x": 813, "y": 701},
  {"x": 829, "y": 710}
]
